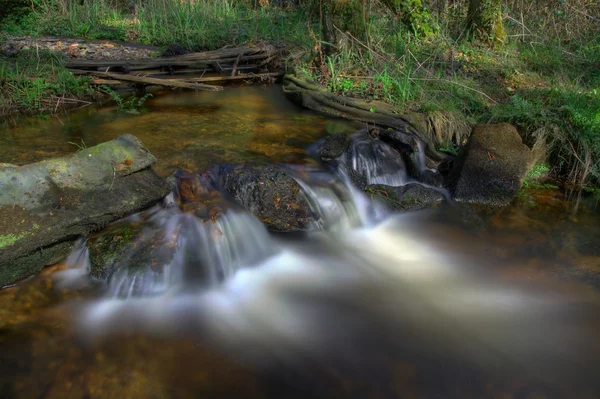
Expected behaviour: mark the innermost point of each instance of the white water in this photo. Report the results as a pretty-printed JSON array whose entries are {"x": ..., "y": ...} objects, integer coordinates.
[
  {"x": 377, "y": 161},
  {"x": 320, "y": 295}
]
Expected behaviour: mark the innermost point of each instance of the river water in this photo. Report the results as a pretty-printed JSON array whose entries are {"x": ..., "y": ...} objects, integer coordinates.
[{"x": 374, "y": 305}]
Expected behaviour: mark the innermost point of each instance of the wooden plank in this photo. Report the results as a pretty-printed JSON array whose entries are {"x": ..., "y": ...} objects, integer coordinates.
[{"x": 155, "y": 81}]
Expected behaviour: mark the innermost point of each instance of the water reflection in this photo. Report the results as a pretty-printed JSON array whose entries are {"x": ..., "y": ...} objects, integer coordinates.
[{"x": 185, "y": 130}]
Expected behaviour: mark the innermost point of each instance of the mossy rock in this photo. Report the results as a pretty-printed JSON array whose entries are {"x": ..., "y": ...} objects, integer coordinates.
[
  {"x": 45, "y": 206},
  {"x": 410, "y": 197},
  {"x": 492, "y": 166},
  {"x": 129, "y": 248}
]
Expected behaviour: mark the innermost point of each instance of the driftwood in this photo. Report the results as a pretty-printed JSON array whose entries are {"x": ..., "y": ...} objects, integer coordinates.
[
  {"x": 155, "y": 81},
  {"x": 207, "y": 59},
  {"x": 168, "y": 71},
  {"x": 237, "y": 77},
  {"x": 251, "y": 76}
]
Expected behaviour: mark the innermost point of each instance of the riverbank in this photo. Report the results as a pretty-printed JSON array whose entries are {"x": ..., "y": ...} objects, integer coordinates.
[{"x": 543, "y": 78}]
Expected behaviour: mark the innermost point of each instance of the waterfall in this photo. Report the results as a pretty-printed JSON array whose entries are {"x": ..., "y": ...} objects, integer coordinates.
[
  {"x": 337, "y": 204},
  {"x": 376, "y": 160}
]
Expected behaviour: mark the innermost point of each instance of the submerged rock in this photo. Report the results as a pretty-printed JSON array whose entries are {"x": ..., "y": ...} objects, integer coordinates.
[
  {"x": 492, "y": 166},
  {"x": 44, "y": 206},
  {"x": 410, "y": 197},
  {"x": 269, "y": 193}
]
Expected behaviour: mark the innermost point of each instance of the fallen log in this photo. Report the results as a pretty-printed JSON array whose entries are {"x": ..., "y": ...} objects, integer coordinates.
[
  {"x": 250, "y": 76},
  {"x": 156, "y": 81},
  {"x": 237, "y": 77},
  {"x": 153, "y": 63}
]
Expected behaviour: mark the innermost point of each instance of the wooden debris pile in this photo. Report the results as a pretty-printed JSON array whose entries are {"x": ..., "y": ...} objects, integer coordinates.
[{"x": 188, "y": 71}]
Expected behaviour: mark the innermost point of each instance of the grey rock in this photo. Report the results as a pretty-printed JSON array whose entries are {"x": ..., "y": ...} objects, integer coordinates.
[
  {"x": 50, "y": 203},
  {"x": 492, "y": 166}
]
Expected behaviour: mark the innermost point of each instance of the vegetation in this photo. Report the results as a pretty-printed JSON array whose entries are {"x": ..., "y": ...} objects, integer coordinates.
[
  {"x": 534, "y": 64},
  {"x": 131, "y": 104},
  {"x": 36, "y": 82}
]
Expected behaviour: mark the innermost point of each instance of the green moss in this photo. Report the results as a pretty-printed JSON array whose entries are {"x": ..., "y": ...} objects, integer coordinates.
[{"x": 9, "y": 239}]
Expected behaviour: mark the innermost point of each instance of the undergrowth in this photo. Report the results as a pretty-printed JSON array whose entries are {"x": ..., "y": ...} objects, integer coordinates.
[
  {"x": 132, "y": 104},
  {"x": 37, "y": 82}
]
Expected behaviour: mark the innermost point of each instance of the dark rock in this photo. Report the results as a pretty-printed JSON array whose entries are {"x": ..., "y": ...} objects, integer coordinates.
[
  {"x": 46, "y": 205},
  {"x": 401, "y": 141},
  {"x": 334, "y": 146},
  {"x": 127, "y": 247},
  {"x": 268, "y": 193},
  {"x": 410, "y": 197},
  {"x": 492, "y": 167},
  {"x": 431, "y": 178}
]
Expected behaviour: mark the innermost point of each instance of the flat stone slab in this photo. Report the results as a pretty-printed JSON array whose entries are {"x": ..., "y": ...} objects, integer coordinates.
[{"x": 46, "y": 205}]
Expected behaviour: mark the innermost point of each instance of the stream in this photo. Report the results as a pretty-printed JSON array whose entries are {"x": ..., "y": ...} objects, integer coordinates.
[{"x": 370, "y": 304}]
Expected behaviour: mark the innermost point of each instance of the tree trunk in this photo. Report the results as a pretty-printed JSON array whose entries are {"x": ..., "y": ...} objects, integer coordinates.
[
  {"x": 329, "y": 38},
  {"x": 484, "y": 20}
]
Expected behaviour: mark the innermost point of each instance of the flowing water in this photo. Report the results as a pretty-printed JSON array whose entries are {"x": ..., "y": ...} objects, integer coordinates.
[{"x": 369, "y": 304}]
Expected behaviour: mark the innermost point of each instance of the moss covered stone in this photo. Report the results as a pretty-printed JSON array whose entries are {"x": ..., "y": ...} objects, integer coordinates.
[{"x": 44, "y": 206}]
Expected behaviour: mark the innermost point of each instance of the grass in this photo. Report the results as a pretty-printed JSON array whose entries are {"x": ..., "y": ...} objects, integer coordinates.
[
  {"x": 545, "y": 78},
  {"x": 36, "y": 82},
  {"x": 194, "y": 25}
]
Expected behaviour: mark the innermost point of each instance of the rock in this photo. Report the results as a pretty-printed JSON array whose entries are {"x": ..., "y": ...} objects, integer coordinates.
[
  {"x": 401, "y": 141},
  {"x": 334, "y": 146},
  {"x": 44, "y": 206},
  {"x": 410, "y": 197},
  {"x": 127, "y": 247},
  {"x": 268, "y": 193},
  {"x": 492, "y": 166},
  {"x": 431, "y": 177}
]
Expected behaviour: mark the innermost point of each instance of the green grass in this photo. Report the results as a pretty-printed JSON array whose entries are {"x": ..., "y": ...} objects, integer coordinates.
[
  {"x": 195, "y": 25},
  {"x": 37, "y": 82}
]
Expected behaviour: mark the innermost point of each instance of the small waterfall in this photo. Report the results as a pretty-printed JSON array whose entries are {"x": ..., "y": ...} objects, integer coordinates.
[
  {"x": 377, "y": 161},
  {"x": 334, "y": 200},
  {"x": 176, "y": 251}
]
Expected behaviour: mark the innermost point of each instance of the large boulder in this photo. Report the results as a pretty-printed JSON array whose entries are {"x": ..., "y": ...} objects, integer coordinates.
[
  {"x": 270, "y": 194},
  {"x": 492, "y": 166},
  {"x": 409, "y": 197},
  {"x": 45, "y": 206}
]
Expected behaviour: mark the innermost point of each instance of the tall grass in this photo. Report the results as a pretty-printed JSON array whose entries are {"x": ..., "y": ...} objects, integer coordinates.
[
  {"x": 37, "y": 81},
  {"x": 192, "y": 24}
]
